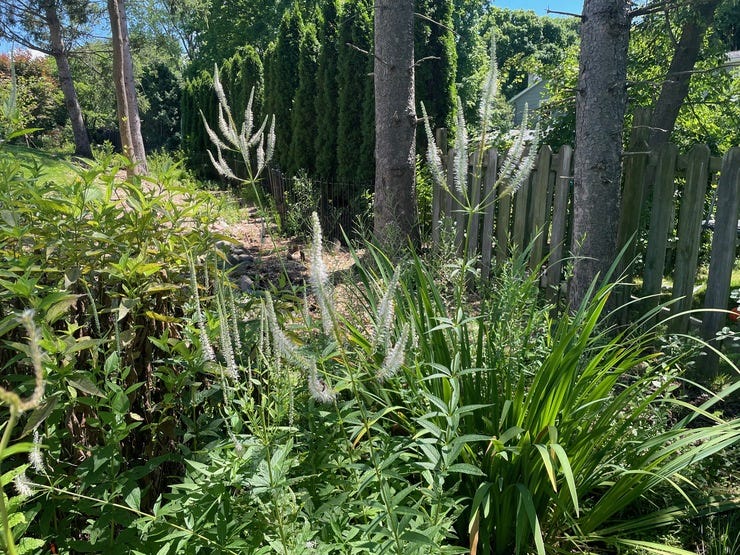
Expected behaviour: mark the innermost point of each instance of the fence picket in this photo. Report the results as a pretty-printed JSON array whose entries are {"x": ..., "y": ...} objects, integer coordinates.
[
  {"x": 689, "y": 234},
  {"x": 559, "y": 219},
  {"x": 474, "y": 196},
  {"x": 631, "y": 204},
  {"x": 489, "y": 181},
  {"x": 724, "y": 245},
  {"x": 660, "y": 221},
  {"x": 518, "y": 235},
  {"x": 538, "y": 205},
  {"x": 503, "y": 222}
]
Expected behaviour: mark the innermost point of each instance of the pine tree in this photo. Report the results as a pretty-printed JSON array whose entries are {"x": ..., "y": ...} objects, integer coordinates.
[{"x": 434, "y": 49}]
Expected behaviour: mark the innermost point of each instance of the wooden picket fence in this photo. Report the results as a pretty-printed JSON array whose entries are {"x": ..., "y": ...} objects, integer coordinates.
[{"x": 663, "y": 199}]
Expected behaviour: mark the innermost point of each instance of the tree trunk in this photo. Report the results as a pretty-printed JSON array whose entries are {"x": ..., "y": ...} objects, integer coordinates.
[
  {"x": 676, "y": 84},
  {"x": 601, "y": 100},
  {"x": 79, "y": 130},
  {"x": 395, "y": 125},
  {"x": 127, "y": 109}
]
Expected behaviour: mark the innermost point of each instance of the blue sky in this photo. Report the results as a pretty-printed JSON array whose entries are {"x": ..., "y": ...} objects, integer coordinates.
[{"x": 540, "y": 6}]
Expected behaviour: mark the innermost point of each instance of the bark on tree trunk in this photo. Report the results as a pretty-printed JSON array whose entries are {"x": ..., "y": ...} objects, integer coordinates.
[
  {"x": 601, "y": 101},
  {"x": 79, "y": 130},
  {"x": 127, "y": 109},
  {"x": 395, "y": 221},
  {"x": 676, "y": 84}
]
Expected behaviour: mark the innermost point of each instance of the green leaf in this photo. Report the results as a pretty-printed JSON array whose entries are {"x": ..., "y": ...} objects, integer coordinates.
[
  {"x": 21, "y": 447},
  {"x": 465, "y": 468},
  {"x": 86, "y": 386},
  {"x": 40, "y": 414},
  {"x": 416, "y": 537},
  {"x": 525, "y": 500},
  {"x": 568, "y": 473},
  {"x": 133, "y": 498},
  {"x": 30, "y": 545}
]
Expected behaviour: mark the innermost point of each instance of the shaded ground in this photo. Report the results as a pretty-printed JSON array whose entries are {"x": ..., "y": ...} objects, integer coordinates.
[{"x": 259, "y": 257}]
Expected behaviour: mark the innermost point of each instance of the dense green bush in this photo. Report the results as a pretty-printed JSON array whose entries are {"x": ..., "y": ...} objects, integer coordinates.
[{"x": 103, "y": 263}]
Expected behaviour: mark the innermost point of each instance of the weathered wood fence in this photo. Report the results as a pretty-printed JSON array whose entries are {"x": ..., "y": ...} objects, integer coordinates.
[{"x": 664, "y": 199}]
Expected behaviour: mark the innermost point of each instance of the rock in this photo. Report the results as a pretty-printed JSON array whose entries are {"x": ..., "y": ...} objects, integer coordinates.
[{"x": 246, "y": 284}]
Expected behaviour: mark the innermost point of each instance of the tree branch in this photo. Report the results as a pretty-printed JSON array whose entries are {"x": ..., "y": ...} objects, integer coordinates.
[
  {"x": 578, "y": 15},
  {"x": 425, "y": 59}
]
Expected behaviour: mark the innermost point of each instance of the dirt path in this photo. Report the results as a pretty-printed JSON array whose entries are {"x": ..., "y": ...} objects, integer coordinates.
[{"x": 259, "y": 257}]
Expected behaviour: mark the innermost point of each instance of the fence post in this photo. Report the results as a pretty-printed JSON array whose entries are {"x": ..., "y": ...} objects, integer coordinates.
[
  {"x": 724, "y": 244},
  {"x": 559, "y": 220},
  {"x": 660, "y": 220},
  {"x": 689, "y": 235},
  {"x": 489, "y": 198},
  {"x": 635, "y": 164},
  {"x": 474, "y": 196},
  {"x": 538, "y": 205}
]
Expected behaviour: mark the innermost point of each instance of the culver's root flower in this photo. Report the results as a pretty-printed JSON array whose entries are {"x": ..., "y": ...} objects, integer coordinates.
[
  {"x": 281, "y": 345},
  {"x": 11, "y": 398},
  {"x": 318, "y": 388},
  {"x": 23, "y": 485},
  {"x": 241, "y": 141},
  {"x": 385, "y": 314},
  {"x": 319, "y": 279},
  {"x": 433, "y": 159},
  {"x": 395, "y": 357},
  {"x": 226, "y": 346},
  {"x": 205, "y": 343},
  {"x": 35, "y": 456}
]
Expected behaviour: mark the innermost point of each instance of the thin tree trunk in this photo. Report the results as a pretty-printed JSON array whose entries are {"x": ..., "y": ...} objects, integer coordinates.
[
  {"x": 79, "y": 130},
  {"x": 676, "y": 84},
  {"x": 129, "y": 123},
  {"x": 601, "y": 100},
  {"x": 395, "y": 125}
]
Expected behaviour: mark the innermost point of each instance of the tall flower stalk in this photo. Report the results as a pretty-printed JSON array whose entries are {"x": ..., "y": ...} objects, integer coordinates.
[
  {"x": 241, "y": 140},
  {"x": 517, "y": 165},
  {"x": 18, "y": 406}
]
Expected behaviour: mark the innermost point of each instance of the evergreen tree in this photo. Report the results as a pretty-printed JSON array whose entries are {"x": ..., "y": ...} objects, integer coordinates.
[
  {"x": 159, "y": 124},
  {"x": 326, "y": 92},
  {"x": 355, "y": 159},
  {"x": 434, "y": 50},
  {"x": 302, "y": 153},
  {"x": 281, "y": 81}
]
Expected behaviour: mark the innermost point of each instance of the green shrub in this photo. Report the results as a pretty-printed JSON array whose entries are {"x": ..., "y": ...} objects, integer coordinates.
[{"x": 104, "y": 263}]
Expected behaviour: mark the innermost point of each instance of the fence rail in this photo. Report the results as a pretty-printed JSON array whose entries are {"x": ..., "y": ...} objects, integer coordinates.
[{"x": 664, "y": 204}]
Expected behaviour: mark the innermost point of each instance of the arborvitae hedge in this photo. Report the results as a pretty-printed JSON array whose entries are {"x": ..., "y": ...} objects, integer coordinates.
[
  {"x": 327, "y": 92},
  {"x": 281, "y": 81},
  {"x": 355, "y": 161},
  {"x": 434, "y": 43},
  {"x": 319, "y": 86},
  {"x": 302, "y": 152}
]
